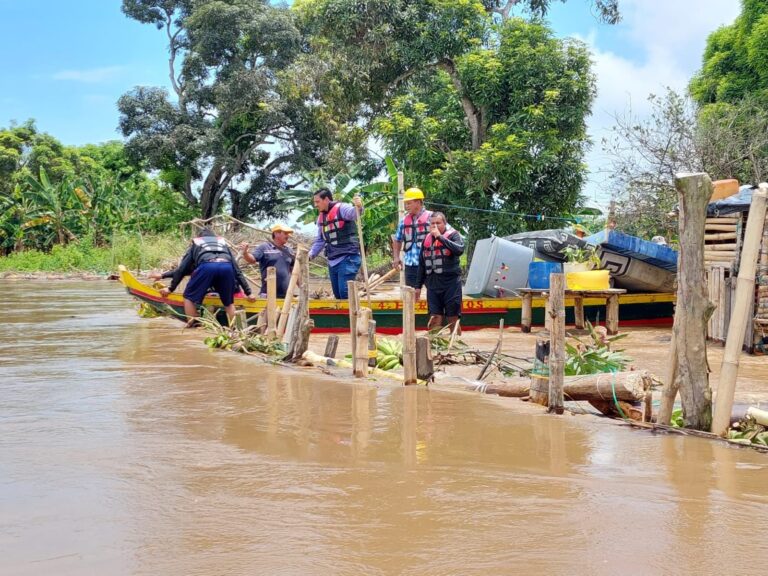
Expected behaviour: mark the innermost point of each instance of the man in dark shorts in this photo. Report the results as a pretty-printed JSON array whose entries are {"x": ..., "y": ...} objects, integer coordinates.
[
  {"x": 273, "y": 254},
  {"x": 211, "y": 264},
  {"x": 440, "y": 272}
]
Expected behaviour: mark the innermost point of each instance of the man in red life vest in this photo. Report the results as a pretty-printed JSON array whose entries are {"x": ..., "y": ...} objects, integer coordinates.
[
  {"x": 337, "y": 234},
  {"x": 410, "y": 235},
  {"x": 440, "y": 271}
]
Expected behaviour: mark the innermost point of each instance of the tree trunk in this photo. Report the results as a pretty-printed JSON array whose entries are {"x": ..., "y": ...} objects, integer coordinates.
[
  {"x": 693, "y": 306},
  {"x": 629, "y": 386}
]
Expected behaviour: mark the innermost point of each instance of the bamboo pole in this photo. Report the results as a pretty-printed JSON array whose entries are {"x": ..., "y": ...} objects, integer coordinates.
[
  {"x": 359, "y": 223},
  {"x": 400, "y": 216},
  {"x": 493, "y": 353},
  {"x": 409, "y": 335},
  {"x": 693, "y": 307},
  {"x": 295, "y": 275},
  {"x": 557, "y": 342},
  {"x": 745, "y": 285},
  {"x": 271, "y": 302},
  {"x": 354, "y": 308}
]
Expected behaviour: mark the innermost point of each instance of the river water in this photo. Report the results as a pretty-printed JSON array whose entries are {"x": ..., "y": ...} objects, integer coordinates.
[{"x": 128, "y": 447}]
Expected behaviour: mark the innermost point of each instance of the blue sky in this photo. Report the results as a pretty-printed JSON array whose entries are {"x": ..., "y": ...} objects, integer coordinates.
[{"x": 66, "y": 62}]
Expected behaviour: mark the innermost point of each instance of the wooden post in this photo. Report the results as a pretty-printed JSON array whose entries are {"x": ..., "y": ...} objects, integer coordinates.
[
  {"x": 271, "y": 303},
  {"x": 578, "y": 312},
  {"x": 302, "y": 324},
  {"x": 400, "y": 216},
  {"x": 557, "y": 355},
  {"x": 547, "y": 312},
  {"x": 540, "y": 382},
  {"x": 409, "y": 335},
  {"x": 669, "y": 391},
  {"x": 361, "y": 346},
  {"x": 745, "y": 293},
  {"x": 526, "y": 312},
  {"x": 331, "y": 345},
  {"x": 372, "y": 342},
  {"x": 612, "y": 314},
  {"x": 354, "y": 307},
  {"x": 295, "y": 275},
  {"x": 425, "y": 367},
  {"x": 693, "y": 307}
]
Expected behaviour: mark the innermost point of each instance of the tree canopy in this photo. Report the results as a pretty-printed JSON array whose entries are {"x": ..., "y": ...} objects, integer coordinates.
[{"x": 735, "y": 60}]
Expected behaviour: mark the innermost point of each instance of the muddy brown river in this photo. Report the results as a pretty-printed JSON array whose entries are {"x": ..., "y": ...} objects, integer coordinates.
[{"x": 129, "y": 448}]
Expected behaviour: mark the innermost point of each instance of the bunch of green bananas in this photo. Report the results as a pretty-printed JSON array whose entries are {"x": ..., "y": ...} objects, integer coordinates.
[{"x": 388, "y": 353}]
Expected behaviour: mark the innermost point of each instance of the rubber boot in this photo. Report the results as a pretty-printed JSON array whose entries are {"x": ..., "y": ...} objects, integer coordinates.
[
  {"x": 435, "y": 321},
  {"x": 451, "y": 321}
]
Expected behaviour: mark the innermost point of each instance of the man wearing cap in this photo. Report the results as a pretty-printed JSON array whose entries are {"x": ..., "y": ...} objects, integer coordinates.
[
  {"x": 337, "y": 234},
  {"x": 210, "y": 264},
  {"x": 410, "y": 235},
  {"x": 273, "y": 253}
]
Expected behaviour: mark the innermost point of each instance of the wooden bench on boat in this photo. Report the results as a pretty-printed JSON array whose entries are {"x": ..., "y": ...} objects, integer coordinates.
[{"x": 611, "y": 306}]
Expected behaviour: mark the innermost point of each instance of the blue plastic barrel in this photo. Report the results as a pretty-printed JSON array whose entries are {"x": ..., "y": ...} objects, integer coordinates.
[{"x": 538, "y": 274}]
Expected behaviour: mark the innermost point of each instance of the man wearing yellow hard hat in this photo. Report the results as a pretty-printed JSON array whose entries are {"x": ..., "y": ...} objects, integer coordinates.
[
  {"x": 275, "y": 253},
  {"x": 410, "y": 235}
]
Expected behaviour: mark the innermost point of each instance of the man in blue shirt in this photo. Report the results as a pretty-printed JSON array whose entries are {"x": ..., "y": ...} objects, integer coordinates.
[
  {"x": 274, "y": 253},
  {"x": 337, "y": 234},
  {"x": 410, "y": 235}
]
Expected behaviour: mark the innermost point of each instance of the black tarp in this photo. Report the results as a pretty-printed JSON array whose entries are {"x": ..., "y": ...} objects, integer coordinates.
[{"x": 547, "y": 244}]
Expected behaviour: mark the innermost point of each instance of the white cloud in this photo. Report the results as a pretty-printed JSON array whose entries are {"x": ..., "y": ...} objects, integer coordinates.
[
  {"x": 661, "y": 44},
  {"x": 89, "y": 75}
]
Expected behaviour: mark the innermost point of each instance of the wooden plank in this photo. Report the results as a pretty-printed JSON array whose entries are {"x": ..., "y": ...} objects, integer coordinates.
[
  {"x": 720, "y": 236},
  {"x": 723, "y": 220},
  {"x": 720, "y": 227}
]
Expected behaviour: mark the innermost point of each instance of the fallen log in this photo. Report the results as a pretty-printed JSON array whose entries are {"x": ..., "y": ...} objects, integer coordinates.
[{"x": 628, "y": 386}]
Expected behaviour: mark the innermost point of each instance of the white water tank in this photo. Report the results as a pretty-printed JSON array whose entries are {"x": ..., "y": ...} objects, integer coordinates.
[{"x": 498, "y": 268}]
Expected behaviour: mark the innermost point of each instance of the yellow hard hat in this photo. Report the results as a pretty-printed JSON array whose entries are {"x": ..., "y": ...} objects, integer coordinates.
[{"x": 413, "y": 194}]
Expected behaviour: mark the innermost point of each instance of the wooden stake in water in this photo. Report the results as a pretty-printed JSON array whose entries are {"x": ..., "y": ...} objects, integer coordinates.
[
  {"x": 745, "y": 291},
  {"x": 557, "y": 342},
  {"x": 409, "y": 335}
]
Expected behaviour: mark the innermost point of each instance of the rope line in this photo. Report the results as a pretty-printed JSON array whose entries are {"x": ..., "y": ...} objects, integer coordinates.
[{"x": 538, "y": 217}]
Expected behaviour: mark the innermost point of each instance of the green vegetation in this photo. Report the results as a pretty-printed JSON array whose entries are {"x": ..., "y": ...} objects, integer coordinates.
[
  {"x": 136, "y": 251},
  {"x": 483, "y": 110}
]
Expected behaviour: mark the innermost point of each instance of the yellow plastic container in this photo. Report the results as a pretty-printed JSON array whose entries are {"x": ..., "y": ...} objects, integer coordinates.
[{"x": 592, "y": 280}]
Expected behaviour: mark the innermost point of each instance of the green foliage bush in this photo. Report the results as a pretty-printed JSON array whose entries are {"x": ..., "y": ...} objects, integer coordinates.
[{"x": 135, "y": 251}]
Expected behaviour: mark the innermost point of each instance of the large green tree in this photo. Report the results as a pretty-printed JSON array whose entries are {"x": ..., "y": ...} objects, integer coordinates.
[
  {"x": 482, "y": 109},
  {"x": 525, "y": 155},
  {"x": 234, "y": 124},
  {"x": 735, "y": 60}
]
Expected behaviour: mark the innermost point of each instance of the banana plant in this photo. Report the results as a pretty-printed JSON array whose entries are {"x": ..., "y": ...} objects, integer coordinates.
[{"x": 59, "y": 210}]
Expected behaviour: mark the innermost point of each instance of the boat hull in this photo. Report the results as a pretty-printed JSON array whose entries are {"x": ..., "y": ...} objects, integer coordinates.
[{"x": 477, "y": 313}]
